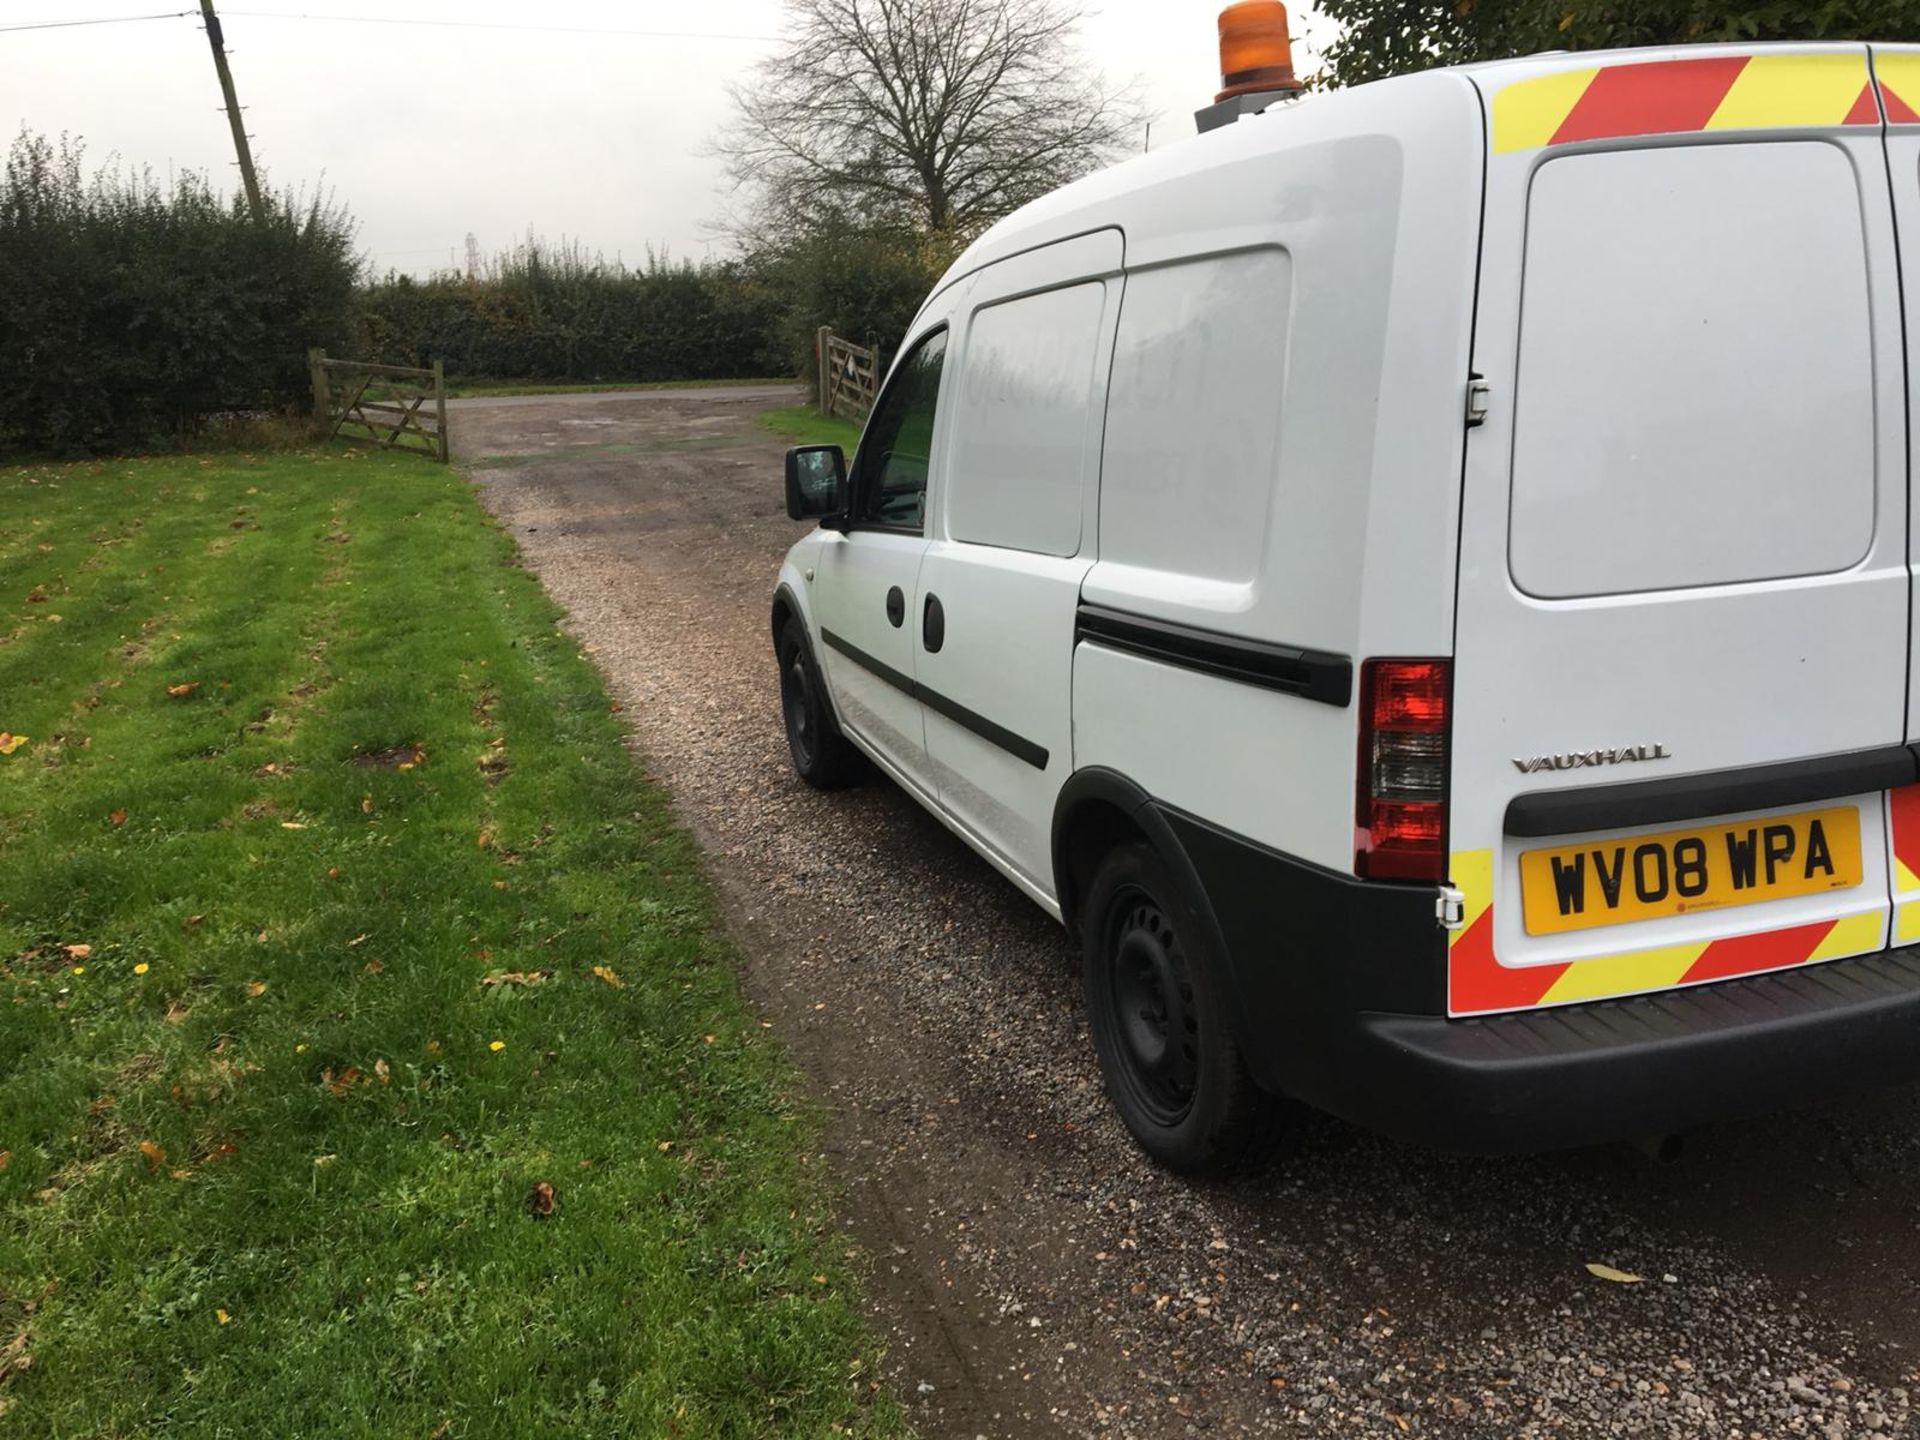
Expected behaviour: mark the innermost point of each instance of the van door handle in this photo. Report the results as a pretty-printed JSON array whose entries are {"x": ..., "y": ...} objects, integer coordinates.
[
  {"x": 933, "y": 625},
  {"x": 896, "y": 608}
]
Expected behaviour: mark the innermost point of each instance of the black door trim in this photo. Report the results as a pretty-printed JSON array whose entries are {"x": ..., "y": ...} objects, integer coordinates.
[
  {"x": 1311, "y": 674},
  {"x": 1712, "y": 792},
  {"x": 1017, "y": 746}
]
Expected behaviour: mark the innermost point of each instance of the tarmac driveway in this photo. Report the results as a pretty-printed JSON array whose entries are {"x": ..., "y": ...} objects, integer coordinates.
[{"x": 1034, "y": 1276}]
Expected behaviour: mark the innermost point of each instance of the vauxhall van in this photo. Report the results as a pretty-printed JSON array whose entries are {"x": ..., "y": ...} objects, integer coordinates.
[{"x": 1420, "y": 580}]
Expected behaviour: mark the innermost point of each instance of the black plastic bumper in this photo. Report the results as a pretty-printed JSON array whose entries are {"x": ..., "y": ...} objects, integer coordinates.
[
  {"x": 1650, "y": 1065},
  {"x": 1341, "y": 987}
]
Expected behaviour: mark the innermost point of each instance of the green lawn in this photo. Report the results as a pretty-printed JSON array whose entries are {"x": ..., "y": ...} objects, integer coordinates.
[
  {"x": 335, "y": 921},
  {"x": 459, "y": 389},
  {"x": 803, "y": 425}
]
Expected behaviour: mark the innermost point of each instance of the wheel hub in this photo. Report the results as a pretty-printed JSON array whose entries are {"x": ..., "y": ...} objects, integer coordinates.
[{"x": 1153, "y": 1005}]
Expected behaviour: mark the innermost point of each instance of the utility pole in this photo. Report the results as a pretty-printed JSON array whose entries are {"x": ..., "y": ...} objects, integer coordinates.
[{"x": 245, "y": 155}]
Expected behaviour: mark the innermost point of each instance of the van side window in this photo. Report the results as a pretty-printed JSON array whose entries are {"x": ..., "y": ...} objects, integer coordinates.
[
  {"x": 896, "y": 450},
  {"x": 1193, "y": 415},
  {"x": 1025, "y": 422},
  {"x": 1695, "y": 398}
]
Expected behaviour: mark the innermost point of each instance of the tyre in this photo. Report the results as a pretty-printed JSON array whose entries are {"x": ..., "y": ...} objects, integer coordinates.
[
  {"x": 822, "y": 756},
  {"x": 1161, "y": 1016}
]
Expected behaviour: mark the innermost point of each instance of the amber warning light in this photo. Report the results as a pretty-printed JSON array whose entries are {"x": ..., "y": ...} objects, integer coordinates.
[{"x": 1255, "y": 53}]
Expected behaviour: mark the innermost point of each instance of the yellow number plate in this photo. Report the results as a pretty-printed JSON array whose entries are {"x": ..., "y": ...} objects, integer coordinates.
[{"x": 1677, "y": 872}]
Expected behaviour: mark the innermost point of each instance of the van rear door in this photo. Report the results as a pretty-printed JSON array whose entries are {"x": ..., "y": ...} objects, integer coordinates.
[
  {"x": 1896, "y": 68},
  {"x": 1681, "y": 669}
]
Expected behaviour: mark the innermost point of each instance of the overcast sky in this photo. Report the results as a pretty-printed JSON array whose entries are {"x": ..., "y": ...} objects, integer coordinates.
[{"x": 428, "y": 133}]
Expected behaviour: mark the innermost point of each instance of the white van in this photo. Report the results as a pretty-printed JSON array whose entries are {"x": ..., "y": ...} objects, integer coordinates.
[{"x": 1420, "y": 581}]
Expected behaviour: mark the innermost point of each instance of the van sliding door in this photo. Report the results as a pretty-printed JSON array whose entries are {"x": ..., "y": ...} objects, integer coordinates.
[{"x": 1684, "y": 547}]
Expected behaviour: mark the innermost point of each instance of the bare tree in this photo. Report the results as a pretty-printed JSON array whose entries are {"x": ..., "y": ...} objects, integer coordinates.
[{"x": 938, "y": 116}]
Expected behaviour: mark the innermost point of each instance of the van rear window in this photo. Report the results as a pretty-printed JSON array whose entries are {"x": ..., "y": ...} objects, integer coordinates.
[{"x": 1694, "y": 403}]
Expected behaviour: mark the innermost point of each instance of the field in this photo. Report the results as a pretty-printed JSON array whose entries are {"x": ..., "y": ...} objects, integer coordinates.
[
  {"x": 463, "y": 389},
  {"x": 803, "y": 425},
  {"x": 369, "y": 1063}
]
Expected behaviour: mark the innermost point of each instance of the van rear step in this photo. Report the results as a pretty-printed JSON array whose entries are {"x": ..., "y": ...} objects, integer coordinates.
[{"x": 1647, "y": 1065}]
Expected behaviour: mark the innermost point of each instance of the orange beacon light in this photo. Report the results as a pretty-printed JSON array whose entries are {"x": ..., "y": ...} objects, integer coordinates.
[{"x": 1255, "y": 51}]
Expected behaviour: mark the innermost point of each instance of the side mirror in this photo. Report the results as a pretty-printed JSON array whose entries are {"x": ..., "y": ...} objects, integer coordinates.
[{"x": 816, "y": 482}]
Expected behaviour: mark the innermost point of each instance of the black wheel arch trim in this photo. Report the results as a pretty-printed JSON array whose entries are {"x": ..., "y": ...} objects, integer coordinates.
[
  {"x": 1101, "y": 785},
  {"x": 1300, "y": 944},
  {"x": 783, "y": 594}
]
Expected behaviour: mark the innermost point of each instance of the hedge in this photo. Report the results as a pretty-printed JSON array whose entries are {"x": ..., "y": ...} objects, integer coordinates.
[{"x": 133, "y": 313}]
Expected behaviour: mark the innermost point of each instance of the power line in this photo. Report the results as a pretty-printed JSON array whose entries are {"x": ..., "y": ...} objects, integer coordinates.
[
  {"x": 501, "y": 25},
  {"x": 102, "y": 20}
]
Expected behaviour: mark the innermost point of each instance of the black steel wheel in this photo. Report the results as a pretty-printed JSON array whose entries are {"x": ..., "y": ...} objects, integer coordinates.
[
  {"x": 1160, "y": 1010},
  {"x": 822, "y": 756}
]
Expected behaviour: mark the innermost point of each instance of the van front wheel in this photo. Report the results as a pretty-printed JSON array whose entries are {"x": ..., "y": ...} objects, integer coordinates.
[
  {"x": 822, "y": 756},
  {"x": 1160, "y": 1013}
]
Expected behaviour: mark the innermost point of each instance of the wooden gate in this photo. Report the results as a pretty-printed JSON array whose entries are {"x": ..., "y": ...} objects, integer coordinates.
[
  {"x": 849, "y": 376},
  {"x": 398, "y": 406}
]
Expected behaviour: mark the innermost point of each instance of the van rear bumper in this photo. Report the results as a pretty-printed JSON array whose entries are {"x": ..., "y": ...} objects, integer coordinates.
[
  {"x": 1340, "y": 1002},
  {"x": 1649, "y": 1065}
]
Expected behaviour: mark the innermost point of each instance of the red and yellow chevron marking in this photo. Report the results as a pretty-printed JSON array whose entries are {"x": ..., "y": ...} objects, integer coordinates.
[
  {"x": 1899, "y": 76},
  {"x": 1478, "y": 983},
  {"x": 1668, "y": 97},
  {"x": 1903, "y": 814}
]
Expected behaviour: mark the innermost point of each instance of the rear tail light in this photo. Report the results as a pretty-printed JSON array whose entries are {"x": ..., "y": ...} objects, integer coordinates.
[{"x": 1400, "y": 821}]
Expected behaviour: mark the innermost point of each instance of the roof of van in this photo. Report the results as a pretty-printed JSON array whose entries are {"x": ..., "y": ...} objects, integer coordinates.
[
  {"x": 1401, "y": 108},
  {"x": 1122, "y": 194}
]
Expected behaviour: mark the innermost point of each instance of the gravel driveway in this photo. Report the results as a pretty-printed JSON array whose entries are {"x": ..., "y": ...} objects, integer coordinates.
[{"x": 1033, "y": 1274}]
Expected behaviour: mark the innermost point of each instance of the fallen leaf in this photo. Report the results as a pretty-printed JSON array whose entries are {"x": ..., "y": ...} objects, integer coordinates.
[
  {"x": 78, "y": 952},
  {"x": 118, "y": 817},
  {"x": 605, "y": 972},
  {"x": 366, "y": 804},
  {"x": 183, "y": 689},
  {"x": 291, "y": 825},
  {"x": 321, "y": 1162},
  {"x": 357, "y": 940},
  {"x": 5, "y": 1156},
  {"x": 1607, "y": 1272},
  {"x": 221, "y": 1316},
  {"x": 373, "y": 967},
  {"x": 256, "y": 987},
  {"x": 156, "y": 1157},
  {"x": 540, "y": 1200},
  {"x": 496, "y": 1045},
  {"x": 10, "y": 742},
  {"x": 514, "y": 977},
  {"x": 381, "y": 1072}
]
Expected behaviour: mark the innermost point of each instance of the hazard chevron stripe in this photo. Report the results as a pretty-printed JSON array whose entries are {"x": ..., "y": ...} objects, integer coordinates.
[
  {"x": 1899, "y": 76},
  {"x": 1669, "y": 97},
  {"x": 1477, "y": 983}
]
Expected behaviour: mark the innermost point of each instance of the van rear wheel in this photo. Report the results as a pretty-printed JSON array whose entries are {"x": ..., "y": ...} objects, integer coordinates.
[
  {"x": 822, "y": 756},
  {"x": 1161, "y": 1017}
]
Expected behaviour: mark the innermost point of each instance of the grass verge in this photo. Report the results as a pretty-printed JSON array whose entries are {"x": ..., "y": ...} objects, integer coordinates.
[
  {"x": 803, "y": 425},
  {"x": 335, "y": 925},
  {"x": 458, "y": 390}
]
